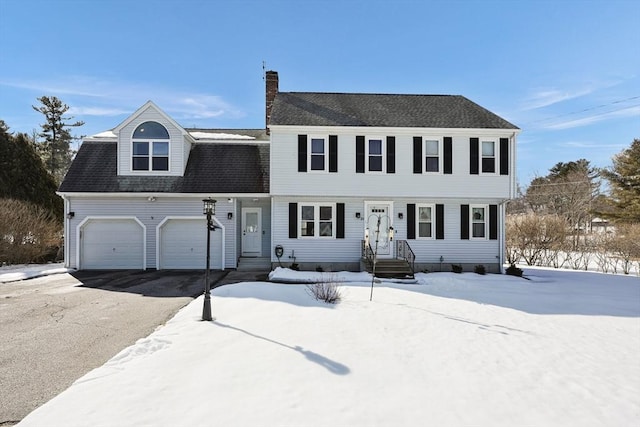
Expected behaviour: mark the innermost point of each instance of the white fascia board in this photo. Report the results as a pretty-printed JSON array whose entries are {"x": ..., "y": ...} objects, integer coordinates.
[
  {"x": 367, "y": 130},
  {"x": 158, "y": 195}
]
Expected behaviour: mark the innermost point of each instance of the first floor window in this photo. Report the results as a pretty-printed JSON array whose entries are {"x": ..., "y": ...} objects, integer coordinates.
[
  {"x": 317, "y": 220},
  {"x": 478, "y": 222},
  {"x": 488, "y": 156},
  {"x": 375, "y": 155},
  {"x": 425, "y": 221}
]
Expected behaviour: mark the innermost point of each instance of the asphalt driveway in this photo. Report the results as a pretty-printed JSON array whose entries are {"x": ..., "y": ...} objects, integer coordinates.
[{"x": 55, "y": 329}]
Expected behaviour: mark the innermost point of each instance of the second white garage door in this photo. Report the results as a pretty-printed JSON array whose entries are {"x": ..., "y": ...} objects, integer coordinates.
[{"x": 183, "y": 245}]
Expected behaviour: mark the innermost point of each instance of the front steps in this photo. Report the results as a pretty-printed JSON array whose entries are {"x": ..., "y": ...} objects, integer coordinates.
[
  {"x": 254, "y": 264},
  {"x": 390, "y": 268}
]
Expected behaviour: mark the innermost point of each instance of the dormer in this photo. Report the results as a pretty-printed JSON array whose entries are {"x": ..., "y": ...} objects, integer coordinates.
[{"x": 150, "y": 143}]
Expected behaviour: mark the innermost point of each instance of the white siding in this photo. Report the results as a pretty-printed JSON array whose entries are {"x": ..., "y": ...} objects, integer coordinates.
[
  {"x": 286, "y": 180},
  {"x": 150, "y": 214},
  {"x": 451, "y": 248},
  {"x": 177, "y": 147}
]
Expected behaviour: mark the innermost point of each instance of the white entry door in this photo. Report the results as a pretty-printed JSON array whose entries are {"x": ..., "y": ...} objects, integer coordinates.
[
  {"x": 252, "y": 232},
  {"x": 379, "y": 212}
]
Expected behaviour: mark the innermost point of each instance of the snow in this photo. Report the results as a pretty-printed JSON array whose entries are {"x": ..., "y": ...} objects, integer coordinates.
[
  {"x": 105, "y": 134},
  {"x": 12, "y": 273},
  {"x": 211, "y": 135},
  {"x": 450, "y": 350}
]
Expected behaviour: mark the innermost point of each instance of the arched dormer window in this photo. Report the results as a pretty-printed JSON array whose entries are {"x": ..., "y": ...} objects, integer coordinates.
[{"x": 150, "y": 147}]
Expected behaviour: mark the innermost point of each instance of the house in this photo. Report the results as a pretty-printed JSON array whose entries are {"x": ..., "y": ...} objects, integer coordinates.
[{"x": 332, "y": 178}]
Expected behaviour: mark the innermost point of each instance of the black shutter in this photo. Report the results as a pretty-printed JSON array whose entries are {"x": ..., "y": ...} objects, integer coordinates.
[
  {"x": 333, "y": 153},
  {"x": 293, "y": 220},
  {"x": 504, "y": 156},
  {"x": 448, "y": 155},
  {"x": 474, "y": 146},
  {"x": 493, "y": 222},
  {"x": 411, "y": 221},
  {"x": 439, "y": 222},
  {"x": 464, "y": 222},
  {"x": 417, "y": 154},
  {"x": 391, "y": 154},
  {"x": 302, "y": 153},
  {"x": 339, "y": 220},
  {"x": 359, "y": 154}
]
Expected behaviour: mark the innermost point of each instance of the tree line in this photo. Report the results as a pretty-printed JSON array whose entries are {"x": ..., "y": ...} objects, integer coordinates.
[
  {"x": 31, "y": 169},
  {"x": 564, "y": 219}
]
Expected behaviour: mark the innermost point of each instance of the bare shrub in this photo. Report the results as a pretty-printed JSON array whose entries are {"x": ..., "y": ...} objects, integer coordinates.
[
  {"x": 326, "y": 290},
  {"x": 625, "y": 245},
  {"x": 532, "y": 235},
  {"x": 28, "y": 233}
]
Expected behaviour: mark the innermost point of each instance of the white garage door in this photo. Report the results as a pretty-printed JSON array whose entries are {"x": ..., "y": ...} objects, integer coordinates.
[
  {"x": 112, "y": 244},
  {"x": 183, "y": 245}
]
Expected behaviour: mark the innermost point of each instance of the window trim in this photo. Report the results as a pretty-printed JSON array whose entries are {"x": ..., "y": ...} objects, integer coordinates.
[
  {"x": 383, "y": 154},
  {"x": 316, "y": 220},
  {"x": 432, "y": 206},
  {"x": 150, "y": 143},
  {"x": 496, "y": 156},
  {"x": 325, "y": 144},
  {"x": 485, "y": 222},
  {"x": 440, "y": 170}
]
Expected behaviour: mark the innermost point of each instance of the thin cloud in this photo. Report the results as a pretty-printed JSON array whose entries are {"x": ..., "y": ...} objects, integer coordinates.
[
  {"x": 545, "y": 97},
  {"x": 97, "y": 111},
  {"x": 590, "y": 145},
  {"x": 585, "y": 121}
]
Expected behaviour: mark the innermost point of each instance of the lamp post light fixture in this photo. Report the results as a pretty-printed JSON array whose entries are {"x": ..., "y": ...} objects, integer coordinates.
[{"x": 209, "y": 210}]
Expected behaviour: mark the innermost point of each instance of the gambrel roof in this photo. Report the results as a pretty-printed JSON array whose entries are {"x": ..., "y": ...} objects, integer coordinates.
[
  {"x": 382, "y": 110},
  {"x": 212, "y": 168}
]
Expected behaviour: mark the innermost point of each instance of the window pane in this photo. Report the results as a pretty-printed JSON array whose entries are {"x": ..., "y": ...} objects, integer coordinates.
[
  {"x": 488, "y": 164},
  {"x": 424, "y": 213},
  {"x": 375, "y": 146},
  {"x": 375, "y": 163},
  {"x": 478, "y": 214},
  {"x": 424, "y": 229},
  {"x": 326, "y": 229},
  {"x": 317, "y": 162},
  {"x": 140, "y": 148},
  {"x": 317, "y": 145},
  {"x": 307, "y": 213},
  {"x": 488, "y": 148},
  {"x": 478, "y": 229},
  {"x": 325, "y": 213},
  {"x": 432, "y": 148},
  {"x": 160, "y": 163},
  {"x": 307, "y": 228},
  {"x": 433, "y": 165},
  {"x": 150, "y": 130},
  {"x": 160, "y": 148},
  {"x": 140, "y": 163}
]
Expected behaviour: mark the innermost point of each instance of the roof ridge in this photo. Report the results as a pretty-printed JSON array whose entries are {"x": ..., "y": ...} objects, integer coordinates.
[{"x": 369, "y": 93}]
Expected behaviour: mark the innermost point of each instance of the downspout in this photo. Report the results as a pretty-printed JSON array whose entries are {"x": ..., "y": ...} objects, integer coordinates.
[
  {"x": 65, "y": 235},
  {"x": 503, "y": 211}
]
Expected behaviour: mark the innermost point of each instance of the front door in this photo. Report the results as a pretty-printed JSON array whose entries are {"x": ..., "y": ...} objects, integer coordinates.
[
  {"x": 252, "y": 232},
  {"x": 378, "y": 226}
]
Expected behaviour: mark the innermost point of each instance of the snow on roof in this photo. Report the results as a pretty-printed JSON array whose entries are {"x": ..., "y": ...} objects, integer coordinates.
[
  {"x": 105, "y": 134},
  {"x": 213, "y": 135}
]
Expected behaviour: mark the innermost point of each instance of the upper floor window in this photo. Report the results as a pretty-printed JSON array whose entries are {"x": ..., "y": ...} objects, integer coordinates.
[
  {"x": 375, "y": 155},
  {"x": 432, "y": 158},
  {"x": 478, "y": 222},
  {"x": 488, "y": 156},
  {"x": 150, "y": 147},
  {"x": 318, "y": 154}
]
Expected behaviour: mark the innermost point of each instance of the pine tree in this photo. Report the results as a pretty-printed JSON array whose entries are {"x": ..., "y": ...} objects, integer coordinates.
[
  {"x": 624, "y": 181},
  {"x": 55, "y": 149}
]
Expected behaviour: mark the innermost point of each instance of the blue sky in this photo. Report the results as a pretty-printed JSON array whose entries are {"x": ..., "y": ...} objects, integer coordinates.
[{"x": 567, "y": 72}]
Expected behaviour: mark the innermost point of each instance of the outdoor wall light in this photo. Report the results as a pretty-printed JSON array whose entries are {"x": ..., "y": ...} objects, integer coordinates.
[
  {"x": 71, "y": 215},
  {"x": 400, "y": 215},
  {"x": 151, "y": 199},
  {"x": 230, "y": 215},
  {"x": 358, "y": 215}
]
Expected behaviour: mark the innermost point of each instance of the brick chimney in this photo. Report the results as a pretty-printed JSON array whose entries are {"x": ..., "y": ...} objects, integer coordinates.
[{"x": 271, "y": 77}]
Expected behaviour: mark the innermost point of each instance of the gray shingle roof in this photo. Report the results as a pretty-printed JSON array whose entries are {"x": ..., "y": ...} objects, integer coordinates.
[
  {"x": 212, "y": 168},
  {"x": 358, "y": 109}
]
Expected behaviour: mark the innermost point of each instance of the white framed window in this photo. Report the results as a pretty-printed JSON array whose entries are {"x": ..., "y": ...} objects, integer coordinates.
[
  {"x": 150, "y": 147},
  {"x": 318, "y": 153},
  {"x": 375, "y": 155},
  {"x": 425, "y": 221},
  {"x": 433, "y": 155},
  {"x": 488, "y": 156},
  {"x": 478, "y": 221},
  {"x": 317, "y": 220}
]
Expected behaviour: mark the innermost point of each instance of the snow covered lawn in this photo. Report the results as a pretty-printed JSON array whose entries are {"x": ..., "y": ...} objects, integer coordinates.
[{"x": 560, "y": 349}]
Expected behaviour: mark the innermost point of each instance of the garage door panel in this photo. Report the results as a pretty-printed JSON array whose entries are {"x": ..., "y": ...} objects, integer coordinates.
[
  {"x": 183, "y": 245},
  {"x": 112, "y": 244}
]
